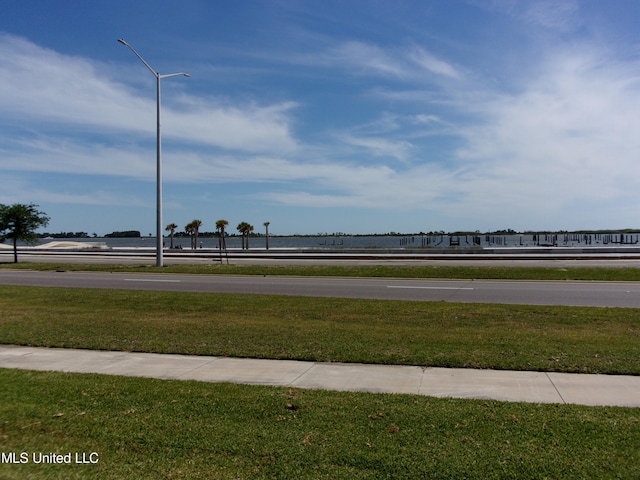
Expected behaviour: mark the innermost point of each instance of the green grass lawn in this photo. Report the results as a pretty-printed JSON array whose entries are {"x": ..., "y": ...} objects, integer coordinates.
[
  {"x": 146, "y": 428},
  {"x": 518, "y": 337},
  {"x": 396, "y": 271}
]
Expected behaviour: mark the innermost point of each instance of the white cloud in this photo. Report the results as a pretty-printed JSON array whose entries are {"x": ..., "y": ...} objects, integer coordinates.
[
  {"x": 561, "y": 15},
  {"x": 432, "y": 64},
  {"x": 40, "y": 86},
  {"x": 569, "y": 138},
  {"x": 19, "y": 189},
  {"x": 249, "y": 128},
  {"x": 45, "y": 154},
  {"x": 554, "y": 14},
  {"x": 97, "y": 198},
  {"x": 381, "y": 147},
  {"x": 370, "y": 187},
  {"x": 359, "y": 56},
  {"x": 407, "y": 64}
]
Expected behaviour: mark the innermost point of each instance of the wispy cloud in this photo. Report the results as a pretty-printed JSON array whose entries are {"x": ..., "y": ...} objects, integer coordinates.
[
  {"x": 248, "y": 128},
  {"x": 360, "y": 57},
  {"x": 39, "y": 85},
  {"x": 558, "y": 15},
  {"x": 555, "y": 14},
  {"x": 409, "y": 63},
  {"x": 381, "y": 147},
  {"x": 431, "y": 63},
  {"x": 566, "y": 139},
  {"x": 18, "y": 189},
  {"x": 79, "y": 157}
]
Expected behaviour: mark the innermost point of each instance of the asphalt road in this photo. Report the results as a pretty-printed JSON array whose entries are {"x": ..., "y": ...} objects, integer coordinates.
[{"x": 609, "y": 294}]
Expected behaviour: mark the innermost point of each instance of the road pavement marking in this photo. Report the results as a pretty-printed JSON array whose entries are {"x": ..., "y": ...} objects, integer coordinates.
[
  {"x": 149, "y": 280},
  {"x": 429, "y": 288}
]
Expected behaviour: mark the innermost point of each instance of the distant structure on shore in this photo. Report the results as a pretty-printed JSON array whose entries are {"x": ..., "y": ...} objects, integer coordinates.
[
  {"x": 530, "y": 240},
  {"x": 462, "y": 241}
]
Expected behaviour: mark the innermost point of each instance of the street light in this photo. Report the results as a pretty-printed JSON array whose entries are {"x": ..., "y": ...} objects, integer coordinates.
[{"x": 159, "y": 235}]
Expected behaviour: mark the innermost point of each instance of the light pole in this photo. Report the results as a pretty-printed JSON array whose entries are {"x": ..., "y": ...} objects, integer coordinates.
[{"x": 159, "y": 237}]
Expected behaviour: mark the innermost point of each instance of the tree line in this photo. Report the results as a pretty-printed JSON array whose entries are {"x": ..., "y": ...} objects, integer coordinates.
[
  {"x": 19, "y": 222},
  {"x": 192, "y": 229}
]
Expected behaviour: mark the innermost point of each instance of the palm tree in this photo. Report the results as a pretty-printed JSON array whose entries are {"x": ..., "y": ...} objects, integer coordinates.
[
  {"x": 192, "y": 228},
  {"x": 221, "y": 225},
  {"x": 245, "y": 229},
  {"x": 242, "y": 228},
  {"x": 197, "y": 224},
  {"x": 249, "y": 230},
  {"x": 266, "y": 226},
  {"x": 172, "y": 229},
  {"x": 189, "y": 228}
]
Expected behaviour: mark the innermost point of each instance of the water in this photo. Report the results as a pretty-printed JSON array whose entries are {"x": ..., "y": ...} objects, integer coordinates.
[{"x": 383, "y": 241}]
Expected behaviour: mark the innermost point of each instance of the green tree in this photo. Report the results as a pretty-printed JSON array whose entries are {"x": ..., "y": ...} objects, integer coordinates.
[
  {"x": 221, "y": 225},
  {"x": 242, "y": 227},
  {"x": 189, "y": 229},
  {"x": 266, "y": 226},
  {"x": 192, "y": 228},
  {"x": 196, "y": 224},
  {"x": 171, "y": 228},
  {"x": 245, "y": 229},
  {"x": 19, "y": 223},
  {"x": 249, "y": 232}
]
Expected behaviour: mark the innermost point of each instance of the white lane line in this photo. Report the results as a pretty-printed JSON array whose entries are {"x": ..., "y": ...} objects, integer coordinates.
[
  {"x": 149, "y": 280},
  {"x": 429, "y": 288}
]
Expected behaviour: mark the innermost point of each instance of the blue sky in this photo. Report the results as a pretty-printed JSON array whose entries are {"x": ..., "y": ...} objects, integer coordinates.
[{"x": 324, "y": 116}]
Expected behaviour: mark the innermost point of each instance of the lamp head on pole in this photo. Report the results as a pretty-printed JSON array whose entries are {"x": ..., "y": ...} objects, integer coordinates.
[{"x": 157, "y": 74}]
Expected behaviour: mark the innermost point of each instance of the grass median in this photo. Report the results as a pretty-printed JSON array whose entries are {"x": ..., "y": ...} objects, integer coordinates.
[
  {"x": 516, "y": 337},
  {"x": 147, "y": 428},
  {"x": 393, "y": 271}
]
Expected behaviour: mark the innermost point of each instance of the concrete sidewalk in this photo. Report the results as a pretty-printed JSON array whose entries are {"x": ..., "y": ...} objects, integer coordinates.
[{"x": 511, "y": 386}]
